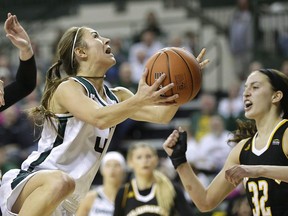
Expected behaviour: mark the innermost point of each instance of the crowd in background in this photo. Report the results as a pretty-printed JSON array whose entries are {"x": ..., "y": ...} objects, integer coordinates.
[{"x": 208, "y": 127}]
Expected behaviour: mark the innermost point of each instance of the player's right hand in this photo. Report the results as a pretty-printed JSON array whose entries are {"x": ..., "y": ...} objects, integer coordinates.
[{"x": 153, "y": 95}]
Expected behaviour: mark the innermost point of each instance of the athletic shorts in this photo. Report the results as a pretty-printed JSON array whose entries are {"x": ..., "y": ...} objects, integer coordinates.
[{"x": 9, "y": 195}]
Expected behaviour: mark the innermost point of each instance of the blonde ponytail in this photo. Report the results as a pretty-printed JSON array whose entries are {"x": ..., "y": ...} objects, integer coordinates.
[{"x": 165, "y": 192}]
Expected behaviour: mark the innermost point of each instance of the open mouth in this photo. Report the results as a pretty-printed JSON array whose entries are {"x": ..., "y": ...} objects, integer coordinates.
[
  {"x": 247, "y": 104},
  {"x": 108, "y": 50}
]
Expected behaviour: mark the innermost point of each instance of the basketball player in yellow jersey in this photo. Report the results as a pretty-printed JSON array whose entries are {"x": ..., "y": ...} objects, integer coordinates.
[{"x": 79, "y": 114}]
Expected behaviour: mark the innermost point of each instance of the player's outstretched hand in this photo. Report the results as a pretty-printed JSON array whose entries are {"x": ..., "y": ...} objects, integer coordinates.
[
  {"x": 153, "y": 95},
  {"x": 199, "y": 58},
  {"x": 16, "y": 33},
  {"x": 176, "y": 146}
]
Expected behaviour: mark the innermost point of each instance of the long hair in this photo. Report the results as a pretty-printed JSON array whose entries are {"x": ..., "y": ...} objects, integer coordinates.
[
  {"x": 69, "y": 66},
  {"x": 165, "y": 192},
  {"x": 279, "y": 82}
]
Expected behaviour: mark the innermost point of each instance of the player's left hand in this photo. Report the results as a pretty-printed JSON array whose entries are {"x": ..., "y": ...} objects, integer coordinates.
[
  {"x": 236, "y": 173},
  {"x": 199, "y": 58}
]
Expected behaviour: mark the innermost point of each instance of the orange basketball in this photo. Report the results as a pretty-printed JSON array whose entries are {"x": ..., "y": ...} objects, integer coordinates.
[{"x": 180, "y": 67}]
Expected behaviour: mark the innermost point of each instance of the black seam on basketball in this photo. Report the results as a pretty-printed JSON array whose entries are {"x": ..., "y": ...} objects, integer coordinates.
[
  {"x": 151, "y": 69},
  {"x": 191, "y": 75},
  {"x": 168, "y": 75}
]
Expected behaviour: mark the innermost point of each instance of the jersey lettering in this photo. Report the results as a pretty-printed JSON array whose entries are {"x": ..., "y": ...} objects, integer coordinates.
[{"x": 100, "y": 144}]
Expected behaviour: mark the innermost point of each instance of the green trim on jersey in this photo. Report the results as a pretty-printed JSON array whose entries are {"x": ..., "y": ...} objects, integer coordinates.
[
  {"x": 58, "y": 141},
  {"x": 91, "y": 90}
]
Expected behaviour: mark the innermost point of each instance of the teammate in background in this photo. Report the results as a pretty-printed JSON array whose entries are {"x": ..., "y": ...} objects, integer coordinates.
[
  {"x": 26, "y": 75},
  {"x": 78, "y": 113},
  {"x": 100, "y": 201},
  {"x": 150, "y": 192},
  {"x": 260, "y": 157}
]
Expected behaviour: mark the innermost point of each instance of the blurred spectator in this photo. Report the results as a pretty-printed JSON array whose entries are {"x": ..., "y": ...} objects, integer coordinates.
[
  {"x": 121, "y": 55},
  {"x": 200, "y": 119},
  {"x": 213, "y": 148},
  {"x": 241, "y": 38},
  {"x": 151, "y": 23},
  {"x": 231, "y": 107},
  {"x": 16, "y": 137},
  {"x": 282, "y": 42},
  {"x": 254, "y": 65},
  {"x": 284, "y": 67},
  {"x": 192, "y": 41},
  {"x": 141, "y": 51},
  {"x": 178, "y": 41},
  {"x": 122, "y": 129},
  {"x": 125, "y": 77},
  {"x": 100, "y": 200}
]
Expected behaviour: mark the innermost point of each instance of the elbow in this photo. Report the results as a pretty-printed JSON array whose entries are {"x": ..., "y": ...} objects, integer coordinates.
[
  {"x": 164, "y": 121},
  {"x": 31, "y": 88},
  {"x": 206, "y": 207},
  {"x": 101, "y": 124},
  {"x": 28, "y": 88}
]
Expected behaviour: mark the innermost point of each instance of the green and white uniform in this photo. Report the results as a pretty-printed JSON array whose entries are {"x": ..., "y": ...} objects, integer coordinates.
[{"x": 76, "y": 149}]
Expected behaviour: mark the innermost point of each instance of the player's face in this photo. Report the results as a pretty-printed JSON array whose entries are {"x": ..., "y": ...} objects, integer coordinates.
[
  {"x": 98, "y": 48},
  {"x": 257, "y": 96},
  {"x": 112, "y": 171},
  {"x": 143, "y": 161}
]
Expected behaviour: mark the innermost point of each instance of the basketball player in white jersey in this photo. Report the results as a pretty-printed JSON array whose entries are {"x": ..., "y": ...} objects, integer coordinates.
[
  {"x": 100, "y": 200},
  {"x": 78, "y": 114}
]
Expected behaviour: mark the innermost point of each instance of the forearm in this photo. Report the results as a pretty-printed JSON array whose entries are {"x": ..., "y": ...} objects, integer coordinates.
[
  {"x": 156, "y": 114},
  {"x": 26, "y": 76},
  {"x": 273, "y": 172},
  {"x": 166, "y": 113},
  {"x": 193, "y": 186},
  {"x": 110, "y": 116}
]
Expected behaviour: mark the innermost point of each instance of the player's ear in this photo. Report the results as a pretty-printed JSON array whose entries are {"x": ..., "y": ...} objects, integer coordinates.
[
  {"x": 80, "y": 52},
  {"x": 277, "y": 96}
]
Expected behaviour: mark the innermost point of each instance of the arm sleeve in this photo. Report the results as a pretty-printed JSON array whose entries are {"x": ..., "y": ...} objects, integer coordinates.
[
  {"x": 24, "y": 84},
  {"x": 119, "y": 211},
  {"x": 182, "y": 206}
]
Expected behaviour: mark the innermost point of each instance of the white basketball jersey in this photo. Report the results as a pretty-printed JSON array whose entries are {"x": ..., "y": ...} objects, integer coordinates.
[
  {"x": 102, "y": 206},
  {"x": 76, "y": 149}
]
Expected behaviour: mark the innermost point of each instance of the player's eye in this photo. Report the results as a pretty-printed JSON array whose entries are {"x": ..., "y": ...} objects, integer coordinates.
[{"x": 95, "y": 34}]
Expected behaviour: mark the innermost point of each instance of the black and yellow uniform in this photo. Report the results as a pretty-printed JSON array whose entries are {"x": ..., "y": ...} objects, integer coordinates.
[
  {"x": 131, "y": 201},
  {"x": 267, "y": 196}
]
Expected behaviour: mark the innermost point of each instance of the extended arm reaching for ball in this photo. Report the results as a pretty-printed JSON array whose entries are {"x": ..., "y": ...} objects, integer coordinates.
[{"x": 205, "y": 199}]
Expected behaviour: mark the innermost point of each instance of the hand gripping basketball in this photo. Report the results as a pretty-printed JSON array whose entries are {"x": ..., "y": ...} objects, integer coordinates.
[{"x": 179, "y": 151}]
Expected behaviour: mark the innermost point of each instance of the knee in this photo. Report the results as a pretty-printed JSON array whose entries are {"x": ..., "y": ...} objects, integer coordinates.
[{"x": 61, "y": 183}]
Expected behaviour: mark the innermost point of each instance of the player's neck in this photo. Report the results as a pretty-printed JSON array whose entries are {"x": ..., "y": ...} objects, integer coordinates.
[{"x": 110, "y": 191}]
